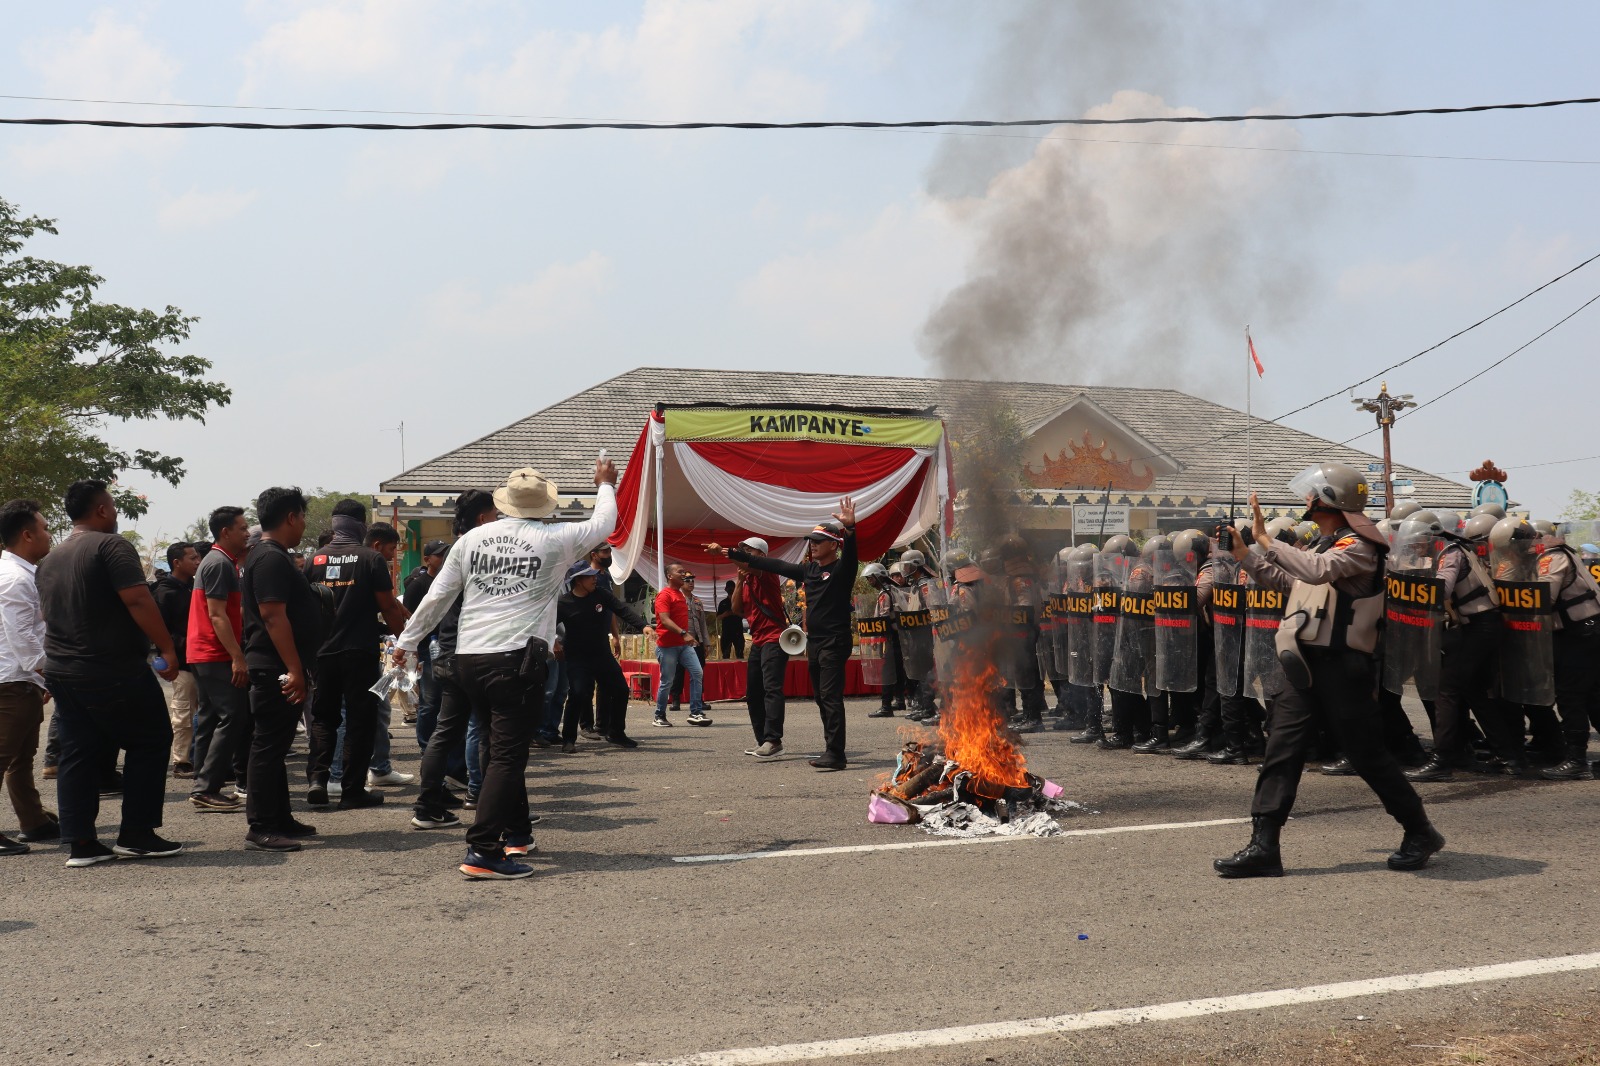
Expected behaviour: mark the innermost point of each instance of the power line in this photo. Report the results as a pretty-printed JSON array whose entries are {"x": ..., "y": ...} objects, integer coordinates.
[
  {"x": 1485, "y": 370},
  {"x": 1532, "y": 466},
  {"x": 941, "y": 132},
  {"x": 810, "y": 125}
]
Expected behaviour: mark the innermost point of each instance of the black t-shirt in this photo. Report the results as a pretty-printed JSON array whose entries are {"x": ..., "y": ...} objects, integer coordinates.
[
  {"x": 356, "y": 574},
  {"x": 271, "y": 576},
  {"x": 86, "y": 623},
  {"x": 417, "y": 586},
  {"x": 588, "y": 621},
  {"x": 173, "y": 598},
  {"x": 828, "y": 588}
]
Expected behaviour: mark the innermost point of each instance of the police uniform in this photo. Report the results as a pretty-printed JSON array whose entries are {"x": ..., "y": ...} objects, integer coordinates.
[{"x": 1577, "y": 655}]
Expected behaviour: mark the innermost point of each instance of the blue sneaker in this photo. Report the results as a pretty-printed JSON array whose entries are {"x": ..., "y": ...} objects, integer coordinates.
[
  {"x": 490, "y": 868},
  {"x": 519, "y": 844}
]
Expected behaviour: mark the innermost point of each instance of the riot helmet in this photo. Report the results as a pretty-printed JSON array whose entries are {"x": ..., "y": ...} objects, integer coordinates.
[
  {"x": 1490, "y": 508},
  {"x": 1337, "y": 486},
  {"x": 1548, "y": 531},
  {"x": 1157, "y": 543},
  {"x": 1405, "y": 509},
  {"x": 1449, "y": 521},
  {"x": 914, "y": 562},
  {"x": 1284, "y": 531},
  {"x": 1478, "y": 526},
  {"x": 1306, "y": 533},
  {"x": 874, "y": 574},
  {"x": 1416, "y": 542},
  {"x": 1191, "y": 547},
  {"x": 1121, "y": 544}
]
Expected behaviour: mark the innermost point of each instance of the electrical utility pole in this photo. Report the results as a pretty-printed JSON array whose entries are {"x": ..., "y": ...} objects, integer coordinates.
[{"x": 1386, "y": 407}]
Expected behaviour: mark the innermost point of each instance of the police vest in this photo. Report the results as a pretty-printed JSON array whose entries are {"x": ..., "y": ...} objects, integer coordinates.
[
  {"x": 1579, "y": 599},
  {"x": 1473, "y": 592}
]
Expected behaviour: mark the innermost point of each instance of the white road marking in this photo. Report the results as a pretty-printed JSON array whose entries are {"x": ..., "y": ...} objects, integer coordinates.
[
  {"x": 950, "y": 842},
  {"x": 1160, "y": 1012}
]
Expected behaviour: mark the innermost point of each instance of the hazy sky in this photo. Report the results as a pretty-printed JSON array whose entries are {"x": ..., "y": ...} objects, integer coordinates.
[{"x": 347, "y": 281}]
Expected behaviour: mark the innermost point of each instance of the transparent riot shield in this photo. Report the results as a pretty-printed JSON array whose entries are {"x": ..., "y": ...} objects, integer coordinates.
[
  {"x": 1079, "y": 618},
  {"x": 914, "y": 627},
  {"x": 872, "y": 634},
  {"x": 1175, "y": 622},
  {"x": 1135, "y": 651},
  {"x": 1414, "y": 610},
  {"x": 1584, "y": 538},
  {"x": 1263, "y": 611},
  {"x": 1527, "y": 653},
  {"x": 1227, "y": 623},
  {"x": 938, "y": 601},
  {"x": 1110, "y": 575}
]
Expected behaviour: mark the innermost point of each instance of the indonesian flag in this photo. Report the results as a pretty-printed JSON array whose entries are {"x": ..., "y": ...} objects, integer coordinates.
[{"x": 1261, "y": 371}]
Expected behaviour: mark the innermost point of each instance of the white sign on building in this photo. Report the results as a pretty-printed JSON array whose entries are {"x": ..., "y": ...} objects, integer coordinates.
[{"x": 1086, "y": 519}]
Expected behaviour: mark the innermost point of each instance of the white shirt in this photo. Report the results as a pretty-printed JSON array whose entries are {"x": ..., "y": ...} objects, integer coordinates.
[
  {"x": 509, "y": 574},
  {"x": 21, "y": 623}
]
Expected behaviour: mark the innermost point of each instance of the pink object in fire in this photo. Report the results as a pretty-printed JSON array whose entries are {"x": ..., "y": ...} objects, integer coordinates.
[
  {"x": 885, "y": 811},
  {"x": 1052, "y": 790}
]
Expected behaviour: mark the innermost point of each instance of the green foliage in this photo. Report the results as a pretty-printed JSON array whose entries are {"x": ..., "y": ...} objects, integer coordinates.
[
  {"x": 1581, "y": 506},
  {"x": 68, "y": 364},
  {"x": 319, "y": 512}
]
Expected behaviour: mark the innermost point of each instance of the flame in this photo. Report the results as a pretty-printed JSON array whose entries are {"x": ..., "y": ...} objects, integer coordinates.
[{"x": 971, "y": 724}]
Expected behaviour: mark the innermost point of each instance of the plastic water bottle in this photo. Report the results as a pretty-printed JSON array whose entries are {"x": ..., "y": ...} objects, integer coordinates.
[{"x": 159, "y": 664}]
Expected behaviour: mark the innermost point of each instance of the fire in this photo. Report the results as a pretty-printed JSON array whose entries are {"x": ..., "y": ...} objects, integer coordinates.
[{"x": 972, "y": 727}]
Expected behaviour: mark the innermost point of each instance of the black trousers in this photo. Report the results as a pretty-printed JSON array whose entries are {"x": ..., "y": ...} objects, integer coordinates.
[
  {"x": 515, "y": 705},
  {"x": 896, "y": 666},
  {"x": 683, "y": 675},
  {"x": 763, "y": 690},
  {"x": 1342, "y": 696},
  {"x": 456, "y": 710},
  {"x": 1577, "y": 680},
  {"x": 221, "y": 728},
  {"x": 732, "y": 638},
  {"x": 1467, "y": 682},
  {"x": 99, "y": 713},
  {"x": 1398, "y": 734},
  {"x": 1130, "y": 714},
  {"x": 826, "y": 656},
  {"x": 272, "y": 721},
  {"x": 595, "y": 680},
  {"x": 344, "y": 680}
]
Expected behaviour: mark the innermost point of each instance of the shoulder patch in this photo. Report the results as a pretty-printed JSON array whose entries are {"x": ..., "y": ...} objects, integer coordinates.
[
  {"x": 1345, "y": 542},
  {"x": 1544, "y": 564}
]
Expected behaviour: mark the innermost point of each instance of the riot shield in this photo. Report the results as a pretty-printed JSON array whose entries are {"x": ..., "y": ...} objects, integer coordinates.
[
  {"x": 1413, "y": 633},
  {"x": 1227, "y": 623},
  {"x": 1019, "y": 631},
  {"x": 1135, "y": 651},
  {"x": 1176, "y": 622},
  {"x": 1110, "y": 574},
  {"x": 1263, "y": 611},
  {"x": 1080, "y": 620},
  {"x": 872, "y": 632},
  {"x": 1527, "y": 653},
  {"x": 914, "y": 628},
  {"x": 1584, "y": 538}
]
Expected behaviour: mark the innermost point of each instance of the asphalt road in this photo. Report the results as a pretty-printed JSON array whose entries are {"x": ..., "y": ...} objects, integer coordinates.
[{"x": 370, "y": 947}]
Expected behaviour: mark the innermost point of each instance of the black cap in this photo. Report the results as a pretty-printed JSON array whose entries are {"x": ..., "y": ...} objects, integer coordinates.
[{"x": 435, "y": 547}]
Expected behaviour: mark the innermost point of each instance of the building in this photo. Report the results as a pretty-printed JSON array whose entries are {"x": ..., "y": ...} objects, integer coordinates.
[{"x": 1140, "y": 459}]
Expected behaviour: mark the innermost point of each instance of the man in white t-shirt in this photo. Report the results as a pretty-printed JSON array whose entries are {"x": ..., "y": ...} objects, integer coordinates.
[{"x": 508, "y": 576}]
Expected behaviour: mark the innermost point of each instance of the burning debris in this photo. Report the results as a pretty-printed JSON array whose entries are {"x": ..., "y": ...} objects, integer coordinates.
[{"x": 972, "y": 780}]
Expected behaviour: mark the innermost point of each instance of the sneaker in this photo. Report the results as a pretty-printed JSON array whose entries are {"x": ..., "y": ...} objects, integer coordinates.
[
  {"x": 146, "y": 845},
  {"x": 493, "y": 868},
  {"x": 769, "y": 749},
  {"x": 435, "y": 820},
  {"x": 661, "y": 720},
  {"x": 317, "y": 795},
  {"x": 240, "y": 794},
  {"x": 591, "y": 734},
  {"x": 569, "y": 749},
  {"x": 699, "y": 719},
  {"x": 12, "y": 847},
  {"x": 471, "y": 802},
  {"x": 295, "y": 829},
  {"x": 540, "y": 741},
  {"x": 828, "y": 764},
  {"x": 215, "y": 801},
  {"x": 183, "y": 769},
  {"x": 455, "y": 784},
  {"x": 50, "y": 830},
  {"x": 752, "y": 751},
  {"x": 88, "y": 853},
  {"x": 622, "y": 740},
  {"x": 393, "y": 777},
  {"x": 274, "y": 842},
  {"x": 518, "y": 845},
  {"x": 357, "y": 798}
]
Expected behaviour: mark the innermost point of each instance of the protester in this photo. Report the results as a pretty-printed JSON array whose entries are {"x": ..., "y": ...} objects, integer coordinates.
[
  {"x": 756, "y": 598},
  {"x": 283, "y": 629},
  {"x": 173, "y": 592},
  {"x": 216, "y": 655},
  {"x": 507, "y": 575},
  {"x": 675, "y": 643},
  {"x": 586, "y": 611},
  {"x": 702, "y": 641},
  {"x": 827, "y": 580},
  {"x": 448, "y": 747},
  {"x": 416, "y": 587},
  {"x": 588, "y": 727},
  {"x": 26, "y": 538},
  {"x": 99, "y": 622},
  {"x": 348, "y": 664},
  {"x": 730, "y": 624}
]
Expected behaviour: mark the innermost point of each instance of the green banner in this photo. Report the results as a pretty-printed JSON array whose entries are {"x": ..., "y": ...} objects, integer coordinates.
[{"x": 836, "y": 427}]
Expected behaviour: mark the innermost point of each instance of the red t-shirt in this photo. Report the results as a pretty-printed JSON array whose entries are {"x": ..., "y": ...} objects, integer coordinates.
[
  {"x": 670, "y": 603},
  {"x": 760, "y": 588},
  {"x": 217, "y": 579}
]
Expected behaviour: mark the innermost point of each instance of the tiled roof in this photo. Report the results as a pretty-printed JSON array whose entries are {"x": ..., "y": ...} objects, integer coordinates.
[{"x": 562, "y": 440}]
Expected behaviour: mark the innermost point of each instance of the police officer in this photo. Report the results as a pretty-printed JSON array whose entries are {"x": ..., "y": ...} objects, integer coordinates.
[
  {"x": 1577, "y": 650},
  {"x": 1329, "y": 634},
  {"x": 894, "y": 671},
  {"x": 1130, "y": 704}
]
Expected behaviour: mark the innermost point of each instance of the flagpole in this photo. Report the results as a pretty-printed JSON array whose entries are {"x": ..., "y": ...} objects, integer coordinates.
[{"x": 1248, "y": 367}]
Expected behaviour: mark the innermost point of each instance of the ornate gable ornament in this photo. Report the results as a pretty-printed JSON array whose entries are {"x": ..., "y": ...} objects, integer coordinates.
[{"x": 1089, "y": 464}]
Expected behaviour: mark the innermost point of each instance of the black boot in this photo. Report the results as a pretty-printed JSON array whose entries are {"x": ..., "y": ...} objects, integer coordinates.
[
  {"x": 1575, "y": 767},
  {"x": 1260, "y": 857},
  {"x": 1181, "y": 738},
  {"x": 1029, "y": 725},
  {"x": 886, "y": 711},
  {"x": 1157, "y": 744},
  {"x": 1340, "y": 767},
  {"x": 1415, "y": 848},
  {"x": 1197, "y": 748},
  {"x": 1114, "y": 742},
  {"x": 1229, "y": 756},
  {"x": 1435, "y": 769},
  {"x": 1092, "y": 731}
]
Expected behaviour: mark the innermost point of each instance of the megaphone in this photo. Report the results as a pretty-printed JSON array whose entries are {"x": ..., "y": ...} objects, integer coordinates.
[{"x": 793, "y": 641}]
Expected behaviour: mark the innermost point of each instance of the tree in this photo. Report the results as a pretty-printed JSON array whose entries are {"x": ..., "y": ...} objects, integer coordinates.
[
  {"x": 319, "y": 513},
  {"x": 1582, "y": 506},
  {"x": 68, "y": 364}
]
